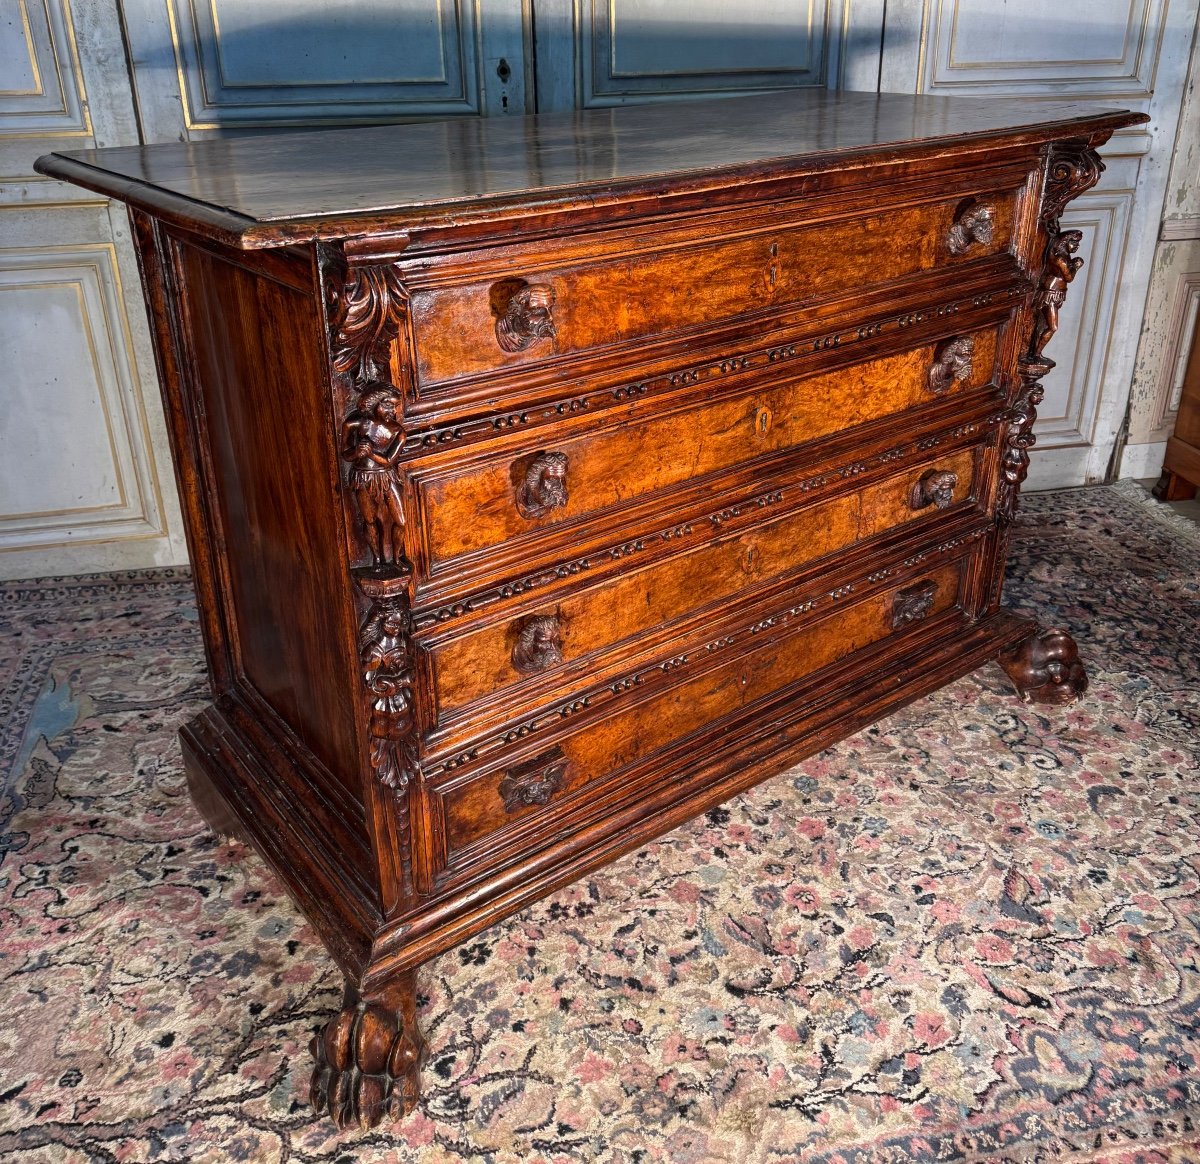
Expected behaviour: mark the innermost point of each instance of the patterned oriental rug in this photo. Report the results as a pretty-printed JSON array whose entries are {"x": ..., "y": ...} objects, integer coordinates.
[{"x": 969, "y": 933}]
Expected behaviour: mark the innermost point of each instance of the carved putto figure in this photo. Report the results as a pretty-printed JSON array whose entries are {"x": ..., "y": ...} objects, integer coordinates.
[
  {"x": 387, "y": 673},
  {"x": 954, "y": 362},
  {"x": 527, "y": 318},
  {"x": 539, "y": 644},
  {"x": 1062, "y": 265},
  {"x": 372, "y": 440},
  {"x": 975, "y": 224},
  {"x": 544, "y": 486}
]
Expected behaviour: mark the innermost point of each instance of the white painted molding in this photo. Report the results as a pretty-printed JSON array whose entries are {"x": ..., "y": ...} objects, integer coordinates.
[
  {"x": 1180, "y": 228},
  {"x": 1140, "y": 462}
]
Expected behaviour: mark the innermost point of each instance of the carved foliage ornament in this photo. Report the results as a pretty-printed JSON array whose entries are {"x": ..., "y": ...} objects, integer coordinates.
[
  {"x": 912, "y": 603},
  {"x": 534, "y": 782}
]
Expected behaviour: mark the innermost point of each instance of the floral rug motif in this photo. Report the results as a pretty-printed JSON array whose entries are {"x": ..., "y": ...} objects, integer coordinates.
[{"x": 969, "y": 933}]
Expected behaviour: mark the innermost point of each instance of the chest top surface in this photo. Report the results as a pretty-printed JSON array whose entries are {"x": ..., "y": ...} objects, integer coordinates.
[{"x": 275, "y": 189}]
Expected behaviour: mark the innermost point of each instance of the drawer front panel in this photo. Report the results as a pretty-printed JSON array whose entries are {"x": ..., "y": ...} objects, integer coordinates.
[
  {"x": 479, "y": 807},
  {"x": 524, "y": 316},
  {"x": 484, "y": 665},
  {"x": 515, "y": 494}
]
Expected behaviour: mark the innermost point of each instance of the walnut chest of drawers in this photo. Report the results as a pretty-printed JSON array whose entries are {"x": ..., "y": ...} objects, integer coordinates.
[{"x": 550, "y": 480}]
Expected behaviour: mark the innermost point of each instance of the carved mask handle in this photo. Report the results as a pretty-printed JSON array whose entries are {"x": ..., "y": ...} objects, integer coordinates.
[
  {"x": 974, "y": 223},
  {"x": 543, "y": 485},
  {"x": 538, "y": 645},
  {"x": 526, "y": 318},
  {"x": 934, "y": 487},
  {"x": 912, "y": 603},
  {"x": 533, "y": 782},
  {"x": 953, "y": 363}
]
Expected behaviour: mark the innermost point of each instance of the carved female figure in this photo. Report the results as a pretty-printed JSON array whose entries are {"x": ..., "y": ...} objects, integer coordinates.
[
  {"x": 384, "y": 656},
  {"x": 1062, "y": 265},
  {"x": 372, "y": 440}
]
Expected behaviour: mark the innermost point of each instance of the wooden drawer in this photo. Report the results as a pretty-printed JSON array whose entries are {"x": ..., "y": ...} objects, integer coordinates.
[
  {"x": 530, "y": 310},
  {"x": 565, "y": 643},
  {"x": 502, "y": 810},
  {"x": 522, "y": 494}
]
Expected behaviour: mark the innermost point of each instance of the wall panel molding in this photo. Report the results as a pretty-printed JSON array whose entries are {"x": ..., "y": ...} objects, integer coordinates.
[
  {"x": 75, "y": 466},
  {"x": 245, "y": 63},
  {"x": 42, "y": 91},
  {"x": 1107, "y": 48}
]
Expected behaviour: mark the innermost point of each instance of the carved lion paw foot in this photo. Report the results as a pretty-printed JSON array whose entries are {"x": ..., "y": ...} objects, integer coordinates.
[
  {"x": 1045, "y": 668},
  {"x": 368, "y": 1065}
]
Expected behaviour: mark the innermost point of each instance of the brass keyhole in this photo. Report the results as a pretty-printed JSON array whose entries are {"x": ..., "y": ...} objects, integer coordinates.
[{"x": 762, "y": 421}]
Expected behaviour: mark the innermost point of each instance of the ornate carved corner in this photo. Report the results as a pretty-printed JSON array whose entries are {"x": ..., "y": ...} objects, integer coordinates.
[
  {"x": 953, "y": 363},
  {"x": 1019, "y": 438},
  {"x": 538, "y": 645},
  {"x": 385, "y": 656},
  {"x": 543, "y": 485},
  {"x": 533, "y": 782},
  {"x": 1071, "y": 169},
  {"x": 934, "y": 487},
  {"x": 366, "y": 309},
  {"x": 912, "y": 603},
  {"x": 974, "y": 223},
  {"x": 367, "y": 1060},
  {"x": 1045, "y": 668},
  {"x": 526, "y": 317}
]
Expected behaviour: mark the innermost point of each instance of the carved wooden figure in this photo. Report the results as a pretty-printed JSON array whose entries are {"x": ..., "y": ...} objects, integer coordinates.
[
  {"x": 741, "y": 391},
  {"x": 1062, "y": 264},
  {"x": 952, "y": 364}
]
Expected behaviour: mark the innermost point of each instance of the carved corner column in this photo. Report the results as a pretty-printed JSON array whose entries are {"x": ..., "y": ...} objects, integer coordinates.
[
  {"x": 368, "y": 1057},
  {"x": 1044, "y": 667}
]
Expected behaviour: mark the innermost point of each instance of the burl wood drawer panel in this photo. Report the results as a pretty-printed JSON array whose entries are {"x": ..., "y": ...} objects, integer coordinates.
[
  {"x": 525, "y": 313},
  {"x": 554, "y": 642},
  {"x": 465, "y": 510},
  {"x": 478, "y": 807}
]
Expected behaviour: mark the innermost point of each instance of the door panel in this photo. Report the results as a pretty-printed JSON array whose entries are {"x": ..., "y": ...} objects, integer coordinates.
[
  {"x": 1129, "y": 52},
  {"x": 217, "y": 66},
  {"x": 610, "y": 52}
]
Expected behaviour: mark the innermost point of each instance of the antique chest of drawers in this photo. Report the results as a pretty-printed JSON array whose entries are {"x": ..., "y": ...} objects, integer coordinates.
[{"x": 550, "y": 480}]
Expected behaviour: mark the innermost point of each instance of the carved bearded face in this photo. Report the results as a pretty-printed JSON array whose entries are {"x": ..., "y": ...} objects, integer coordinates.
[
  {"x": 534, "y": 304},
  {"x": 958, "y": 357},
  {"x": 551, "y": 485},
  {"x": 979, "y": 224},
  {"x": 940, "y": 488}
]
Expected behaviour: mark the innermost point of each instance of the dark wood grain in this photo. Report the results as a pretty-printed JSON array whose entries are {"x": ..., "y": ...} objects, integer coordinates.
[
  {"x": 548, "y": 481},
  {"x": 247, "y": 186}
]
